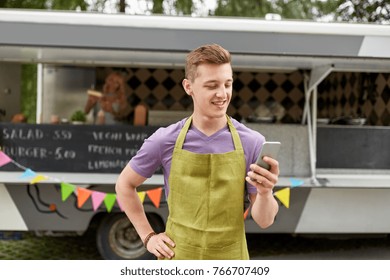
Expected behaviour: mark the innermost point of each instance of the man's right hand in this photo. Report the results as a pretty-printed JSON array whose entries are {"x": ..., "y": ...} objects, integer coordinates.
[{"x": 160, "y": 245}]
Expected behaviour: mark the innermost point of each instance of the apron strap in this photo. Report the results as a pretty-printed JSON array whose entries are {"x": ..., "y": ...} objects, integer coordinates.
[
  {"x": 182, "y": 136},
  {"x": 183, "y": 132},
  {"x": 234, "y": 133}
]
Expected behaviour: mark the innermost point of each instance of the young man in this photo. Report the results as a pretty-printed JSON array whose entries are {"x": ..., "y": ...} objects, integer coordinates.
[{"x": 206, "y": 160}]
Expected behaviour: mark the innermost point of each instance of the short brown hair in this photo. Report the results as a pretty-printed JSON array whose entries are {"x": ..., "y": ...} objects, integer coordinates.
[{"x": 211, "y": 54}]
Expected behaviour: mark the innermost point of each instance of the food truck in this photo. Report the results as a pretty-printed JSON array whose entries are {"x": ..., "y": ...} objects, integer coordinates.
[{"x": 321, "y": 89}]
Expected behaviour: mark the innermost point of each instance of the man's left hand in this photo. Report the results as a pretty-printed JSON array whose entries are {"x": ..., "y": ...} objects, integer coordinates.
[{"x": 264, "y": 180}]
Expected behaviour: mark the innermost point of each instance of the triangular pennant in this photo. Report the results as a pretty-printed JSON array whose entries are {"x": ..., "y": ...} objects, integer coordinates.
[
  {"x": 155, "y": 196},
  {"x": 82, "y": 196},
  {"x": 66, "y": 190},
  {"x": 141, "y": 196},
  {"x": 246, "y": 213},
  {"x": 97, "y": 199},
  {"x": 296, "y": 183},
  {"x": 4, "y": 159},
  {"x": 28, "y": 173},
  {"x": 38, "y": 178},
  {"x": 109, "y": 201},
  {"x": 284, "y": 196}
]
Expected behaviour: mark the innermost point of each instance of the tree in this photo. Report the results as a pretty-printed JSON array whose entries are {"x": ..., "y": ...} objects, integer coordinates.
[
  {"x": 158, "y": 7},
  {"x": 24, "y": 4},
  {"x": 287, "y": 9},
  {"x": 364, "y": 11},
  {"x": 243, "y": 8},
  {"x": 47, "y": 4},
  {"x": 67, "y": 4},
  {"x": 185, "y": 7},
  {"x": 296, "y": 9},
  {"x": 330, "y": 10}
]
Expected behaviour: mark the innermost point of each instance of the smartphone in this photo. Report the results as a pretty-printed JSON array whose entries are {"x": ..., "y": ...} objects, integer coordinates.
[{"x": 269, "y": 149}]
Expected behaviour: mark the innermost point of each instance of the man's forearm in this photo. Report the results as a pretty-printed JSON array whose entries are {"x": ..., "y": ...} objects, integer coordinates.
[{"x": 264, "y": 209}]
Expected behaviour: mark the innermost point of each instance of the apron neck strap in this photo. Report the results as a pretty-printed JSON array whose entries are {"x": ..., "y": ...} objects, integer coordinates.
[{"x": 236, "y": 138}]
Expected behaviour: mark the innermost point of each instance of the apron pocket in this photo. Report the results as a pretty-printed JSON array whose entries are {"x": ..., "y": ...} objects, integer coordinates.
[{"x": 232, "y": 252}]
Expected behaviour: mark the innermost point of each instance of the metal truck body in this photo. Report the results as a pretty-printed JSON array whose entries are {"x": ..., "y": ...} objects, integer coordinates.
[{"x": 338, "y": 175}]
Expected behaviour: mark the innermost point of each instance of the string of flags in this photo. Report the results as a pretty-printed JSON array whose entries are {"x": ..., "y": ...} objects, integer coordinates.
[
  {"x": 108, "y": 199},
  {"x": 98, "y": 198},
  {"x": 284, "y": 194}
]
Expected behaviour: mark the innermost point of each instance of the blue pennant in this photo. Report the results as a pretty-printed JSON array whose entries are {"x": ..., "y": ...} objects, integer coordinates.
[
  {"x": 28, "y": 173},
  {"x": 296, "y": 182}
]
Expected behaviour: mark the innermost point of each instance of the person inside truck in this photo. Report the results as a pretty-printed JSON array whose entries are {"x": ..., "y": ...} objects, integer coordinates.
[
  {"x": 208, "y": 163},
  {"x": 112, "y": 103},
  {"x": 19, "y": 118}
]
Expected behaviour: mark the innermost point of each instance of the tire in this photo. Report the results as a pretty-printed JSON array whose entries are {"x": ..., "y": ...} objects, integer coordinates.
[{"x": 117, "y": 239}]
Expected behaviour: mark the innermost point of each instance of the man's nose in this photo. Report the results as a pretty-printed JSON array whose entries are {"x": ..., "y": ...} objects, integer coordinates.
[{"x": 221, "y": 91}]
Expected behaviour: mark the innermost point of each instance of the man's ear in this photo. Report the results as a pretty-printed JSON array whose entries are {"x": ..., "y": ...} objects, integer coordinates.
[{"x": 187, "y": 86}]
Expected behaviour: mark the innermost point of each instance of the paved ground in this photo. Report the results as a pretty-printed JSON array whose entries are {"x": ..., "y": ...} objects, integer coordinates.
[
  {"x": 31, "y": 247},
  {"x": 286, "y": 247},
  {"x": 282, "y": 247}
]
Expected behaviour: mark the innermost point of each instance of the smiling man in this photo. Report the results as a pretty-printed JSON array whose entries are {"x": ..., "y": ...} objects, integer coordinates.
[{"x": 207, "y": 160}]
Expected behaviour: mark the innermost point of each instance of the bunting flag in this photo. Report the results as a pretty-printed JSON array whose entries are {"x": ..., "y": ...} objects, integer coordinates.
[
  {"x": 284, "y": 196},
  {"x": 66, "y": 190},
  {"x": 155, "y": 196},
  {"x": 28, "y": 173},
  {"x": 4, "y": 159},
  {"x": 109, "y": 199},
  {"x": 246, "y": 213},
  {"x": 38, "y": 178},
  {"x": 82, "y": 196},
  {"x": 296, "y": 183},
  {"x": 97, "y": 199},
  {"x": 141, "y": 196}
]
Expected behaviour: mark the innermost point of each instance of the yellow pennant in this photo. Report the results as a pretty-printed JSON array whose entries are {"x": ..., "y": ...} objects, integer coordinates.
[
  {"x": 141, "y": 196},
  {"x": 38, "y": 178},
  {"x": 284, "y": 196}
]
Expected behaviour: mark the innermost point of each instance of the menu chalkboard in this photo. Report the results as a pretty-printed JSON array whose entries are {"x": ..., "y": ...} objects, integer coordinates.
[
  {"x": 71, "y": 148},
  {"x": 353, "y": 147}
]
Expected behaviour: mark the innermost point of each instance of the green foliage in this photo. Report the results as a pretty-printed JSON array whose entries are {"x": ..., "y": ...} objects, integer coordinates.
[
  {"x": 67, "y": 4},
  {"x": 364, "y": 11},
  {"x": 184, "y": 6},
  {"x": 243, "y": 8},
  {"x": 98, "y": 5},
  {"x": 29, "y": 91},
  {"x": 158, "y": 7},
  {"x": 23, "y": 4},
  {"x": 78, "y": 116},
  {"x": 327, "y": 8},
  {"x": 45, "y": 4},
  {"x": 295, "y": 9},
  {"x": 334, "y": 10},
  {"x": 287, "y": 9}
]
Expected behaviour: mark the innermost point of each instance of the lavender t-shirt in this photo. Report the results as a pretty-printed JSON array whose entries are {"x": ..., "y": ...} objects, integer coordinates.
[{"x": 157, "y": 150}]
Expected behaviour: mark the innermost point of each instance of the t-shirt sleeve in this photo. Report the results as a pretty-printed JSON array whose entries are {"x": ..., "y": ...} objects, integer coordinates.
[{"x": 148, "y": 158}]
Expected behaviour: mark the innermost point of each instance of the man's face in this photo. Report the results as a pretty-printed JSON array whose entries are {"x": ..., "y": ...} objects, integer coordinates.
[{"x": 211, "y": 90}]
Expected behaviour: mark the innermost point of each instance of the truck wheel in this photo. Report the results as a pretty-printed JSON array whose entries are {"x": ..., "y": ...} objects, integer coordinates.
[{"x": 117, "y": 238}]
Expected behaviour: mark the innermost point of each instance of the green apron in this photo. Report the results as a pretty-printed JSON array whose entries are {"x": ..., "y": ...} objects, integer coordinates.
[{"x": 206, "y": 202}]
